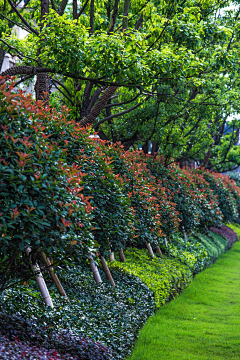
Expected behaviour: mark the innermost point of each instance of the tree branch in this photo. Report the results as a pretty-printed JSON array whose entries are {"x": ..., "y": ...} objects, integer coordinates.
[
  {"x": 82, "y": 9},
  {"x": 23, "y": 20}
]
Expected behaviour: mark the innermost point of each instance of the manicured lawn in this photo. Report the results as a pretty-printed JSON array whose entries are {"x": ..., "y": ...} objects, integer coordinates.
[{"x": 203, "y": 322}]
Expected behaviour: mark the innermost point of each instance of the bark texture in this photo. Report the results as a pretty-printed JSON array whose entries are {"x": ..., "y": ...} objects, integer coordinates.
[{"x": 97, "y": 109}]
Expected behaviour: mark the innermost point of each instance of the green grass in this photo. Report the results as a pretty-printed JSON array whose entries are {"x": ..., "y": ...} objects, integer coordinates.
[{"x": 203, "y": 322}]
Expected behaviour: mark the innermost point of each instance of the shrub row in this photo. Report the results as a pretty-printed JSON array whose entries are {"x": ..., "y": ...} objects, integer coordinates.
[
  {"x": 98, "y": 315},
  {"x": 165, "y": 277},
  {"x": 63, "y": 193},
  {"x": 227, "y": 233}
]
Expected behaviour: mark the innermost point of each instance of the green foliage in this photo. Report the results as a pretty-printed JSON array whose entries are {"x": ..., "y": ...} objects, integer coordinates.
[
  {"x": 165, "y": 277},
  {"x": 102, "y": 313},
  {"x": 226, "y": 201},
  {"x": 190, "y": 252},
  {"x": 112, "y": 215},
  {"x": 40, "y": 205},
  {"x": 214, "y": 244},
  {"x": 235, "y": 228}
]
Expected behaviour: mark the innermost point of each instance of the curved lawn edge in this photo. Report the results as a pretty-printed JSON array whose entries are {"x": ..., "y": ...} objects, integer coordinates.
[{"x": 203, "y": 322}]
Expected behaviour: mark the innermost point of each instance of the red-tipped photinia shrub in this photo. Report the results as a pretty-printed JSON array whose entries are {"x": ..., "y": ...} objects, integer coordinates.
[
  {"x": 41, "y": 202},
  {"x": 210, "y": 213},
  {"x": 155, "y": 214},
  {"x": 112, "y": 215},
  {"x": 221, "y": 189}
]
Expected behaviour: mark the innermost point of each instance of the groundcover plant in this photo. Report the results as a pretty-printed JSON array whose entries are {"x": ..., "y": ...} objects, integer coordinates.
[{"x": 96, "y": 315}]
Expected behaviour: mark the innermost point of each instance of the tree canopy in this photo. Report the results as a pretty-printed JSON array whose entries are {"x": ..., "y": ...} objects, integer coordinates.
[{"x": 138, "y": 71}]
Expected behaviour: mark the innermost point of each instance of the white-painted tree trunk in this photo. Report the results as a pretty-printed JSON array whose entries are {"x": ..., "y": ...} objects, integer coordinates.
[
  {"x": 41, "y": 282},
  {"x": 184, "y": 233},
  {"x": 165, "y": 240},
  {"x": 111, "y": 256}
]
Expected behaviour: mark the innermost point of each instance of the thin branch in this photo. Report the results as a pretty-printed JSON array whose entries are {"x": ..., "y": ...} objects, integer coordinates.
[
  {"x": 118, "y": 114},
  {"x": 14, "y": 22},
  {"x": 63, "y": 86},
  {"x": 82, "y": 9},
  {"x": 62, "y": 92},
  {"x": 62, "y": 7},
  {"x": 22, "y": 80},
  {"x": 17, "y": 51},
  {"x": 124, "y": 102},
  {"x": 22, "y": 18}
]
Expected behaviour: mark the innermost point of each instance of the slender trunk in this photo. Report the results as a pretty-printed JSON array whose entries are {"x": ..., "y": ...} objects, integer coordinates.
[
  {"x": 165, "y": 241},
  {"x": 145, "y": 147},
  {"x": 107, "y": 271},
  {"x": 42, "y": 83},
  {"x": 114, "y": 16},
  {"x": 54, "y": 276},
  {"x": 159, "y": 251},
  {"x": 155, "y": 148},
  {"x": 74, "y": 4},
  {"x": 95, "y": 271},
  {"x": 97, "y": 109},
  {"x": 2, "y": 54},
  {"x": 111, "y": 256},
  {"x": 40, "y": 281},
  {"x": 184, "y": 233},
  {"x": 91, "y": 31},
  {"x": 121, "y": 255},
  {"x": 125, "y": 14},
  {"x": 150, "y": 250},
  {"x": 139, "y": 22}
]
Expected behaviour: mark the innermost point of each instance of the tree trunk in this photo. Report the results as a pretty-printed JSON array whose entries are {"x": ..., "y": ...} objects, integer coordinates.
[
  {"x": 95, "y": 271},
  {"x": 2, "y": 54},
  {"x": 145, "y": 147},
  {"x": 97, "y": 109},
  {"x": 54, "y": 276},
  {"x": 42, "y": 88},
  {"x": 107, "y": 271},
  {"x": 155, "y": 148},
  {"x": 111, "y": 256},
  {"x": 91, "y": 31},
  {"x": 165, "y": 240},
  {"x": 159, "y": 251},
  {"x": 40, "y": 281},
  {"x": 125, "y": 14},
  {"x": 150, "y": 250},
  {"x": 184, "y": 233},
  {"x": 42, "y": 83},
  {"x": 121, "y": 255}
]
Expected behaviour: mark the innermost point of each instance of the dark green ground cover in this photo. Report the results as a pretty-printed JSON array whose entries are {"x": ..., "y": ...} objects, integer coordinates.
[
  {"x": 203, "y": 323},
  {"x": 102, "y": 313}
]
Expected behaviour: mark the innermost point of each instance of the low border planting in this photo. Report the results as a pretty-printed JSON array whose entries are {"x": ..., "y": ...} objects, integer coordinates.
[
  {"x": 96, "y": 314},
  {"x": 165, "y": 277}
]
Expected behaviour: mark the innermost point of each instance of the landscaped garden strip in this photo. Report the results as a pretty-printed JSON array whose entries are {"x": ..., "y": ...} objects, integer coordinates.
[
  {"x": 105, "y": 315},
  {"x": 203, "y": 322}
]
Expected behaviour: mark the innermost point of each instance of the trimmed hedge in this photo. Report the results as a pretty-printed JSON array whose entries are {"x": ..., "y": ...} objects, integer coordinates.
[
  {"x": 165, "y": 277},
  {"x": 215, "y": 241}
]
